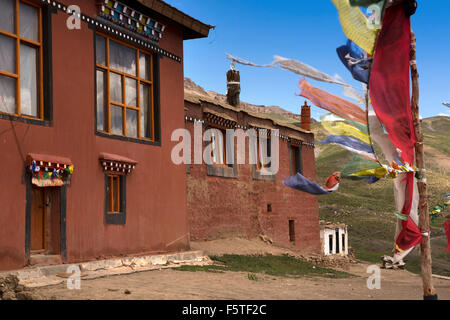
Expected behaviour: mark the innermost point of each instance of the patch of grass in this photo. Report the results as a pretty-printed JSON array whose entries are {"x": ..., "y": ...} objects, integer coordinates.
[
  {"x": 207, "y": 268},
  {"x": 282, "y": 266},
  {"x": 252, "y": 277}
]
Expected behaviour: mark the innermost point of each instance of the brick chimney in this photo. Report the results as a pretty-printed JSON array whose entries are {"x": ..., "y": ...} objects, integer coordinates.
[
  {"x": 306, "y": 117},
  {"x": 233, "y": 86}
]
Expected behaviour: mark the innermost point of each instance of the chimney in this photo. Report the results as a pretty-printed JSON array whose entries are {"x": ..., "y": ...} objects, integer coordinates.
[
  {"x": 306, "y": 117},
  {"x": 233, "y": 86}
]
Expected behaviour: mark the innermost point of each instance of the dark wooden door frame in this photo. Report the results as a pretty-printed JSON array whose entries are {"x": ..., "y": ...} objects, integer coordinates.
[{"x": 62, "y": 210}]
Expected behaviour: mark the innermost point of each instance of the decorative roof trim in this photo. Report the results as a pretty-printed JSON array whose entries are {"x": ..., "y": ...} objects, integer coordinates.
[
  {"x": 199, "y": 99},
  {"x": 45, "y": 160},
  {"x": 124, "y": 16},
  {"x": 219, "y": 120},
  {"x": 115, "y": 164},
  {"x": 107, "y": 26},
  {"x": 193, "y": 28},
  {"x": 269, "y": 131}
]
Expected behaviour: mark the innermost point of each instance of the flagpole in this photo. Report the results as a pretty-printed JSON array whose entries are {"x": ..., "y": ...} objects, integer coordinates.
[{"x": 429, "y": 292}]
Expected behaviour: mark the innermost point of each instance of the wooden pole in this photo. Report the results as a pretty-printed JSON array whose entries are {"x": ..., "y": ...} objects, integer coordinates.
[{"x": 429, "y": 292}]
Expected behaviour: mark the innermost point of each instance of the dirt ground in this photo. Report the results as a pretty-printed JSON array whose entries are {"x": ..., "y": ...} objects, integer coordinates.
[{"x": 173, "y": 284}]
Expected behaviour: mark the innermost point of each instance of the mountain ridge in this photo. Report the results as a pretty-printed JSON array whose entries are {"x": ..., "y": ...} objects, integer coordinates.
[{"x": 274, "y": 110}]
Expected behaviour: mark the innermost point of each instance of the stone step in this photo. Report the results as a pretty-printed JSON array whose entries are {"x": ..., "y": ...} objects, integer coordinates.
[
  {"x": 44, "y": 259},
  {"x": 44, "y": 273}
]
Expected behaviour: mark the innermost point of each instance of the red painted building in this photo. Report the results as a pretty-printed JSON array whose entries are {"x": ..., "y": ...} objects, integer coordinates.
[
  {"x": 89, "y": 97},
  {"x": 227, "y": 200}
]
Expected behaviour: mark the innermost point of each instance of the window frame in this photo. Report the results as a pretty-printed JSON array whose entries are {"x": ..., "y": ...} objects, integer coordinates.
[
  {"x": 263, "y": 172},
  {"x": 223, "y": 130},
  {"x": 259, "y": 166},
  {"x": 153, "y": 83},
  {"x": 292, "y": 165},
  {"x": 115, "y": 217},
  {"x": 222, "y": 170},
  {"x": 40, "y": 61}
]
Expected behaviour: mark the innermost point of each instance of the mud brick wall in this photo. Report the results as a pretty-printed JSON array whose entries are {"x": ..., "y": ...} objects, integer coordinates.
[{"x": 220, "y": 207}]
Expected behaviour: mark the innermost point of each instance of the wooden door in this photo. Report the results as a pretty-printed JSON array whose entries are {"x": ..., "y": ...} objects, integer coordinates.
[{"x": 37, "y": 235}]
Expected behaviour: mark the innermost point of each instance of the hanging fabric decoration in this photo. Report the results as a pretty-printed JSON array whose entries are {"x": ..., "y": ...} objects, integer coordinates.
[
  {"x": 409, "y": 235},
  {"x": 358, "y": 168},
  {"x": 397, "y": 171},
  {"x": 438, "y": 210},
  {"x": 304, "y": 70},
  {"x": 391, "y": 124},
  {"x": 353, "y": 59},
  {"x": 291, "y": 65},
  {"x": 49, "y": 174},
  {"x": 351, "y": 145},
  {"x": 342, "y": 127},
  {"x": 447, "y": 233},
  {"x": 332, "y": 103},
  {"x": 299, "y": 182},
  {"x": 378, "y": 173},
  {"x": 332, "y": 183},
  {"x": 379, "y": 136},
  {"x": 350, "y": 92},
  {"x": 355, "y": 26},
  {"x": 389, "y": 82}
]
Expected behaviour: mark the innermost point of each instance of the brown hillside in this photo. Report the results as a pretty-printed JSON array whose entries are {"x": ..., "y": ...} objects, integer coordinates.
[{"x": 276, "y": 111}]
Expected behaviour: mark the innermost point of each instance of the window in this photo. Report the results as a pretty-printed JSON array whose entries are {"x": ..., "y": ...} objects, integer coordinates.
[
  {"x": 114, "y": 194},
  {"x": 330, "y": 244},
  {"x": 262, "y": 147},
  {"x": 296, "y": 159},
  {"x": 124, "y": 81},
  {"x": 292, "y": 231},
  {"x": 219, "y": 154},
  {"x": 21, "y": 59},
  {"x": 115, "y": 199},
  {"x": 264, "y": 151},
  {"x": 337, "y": 241},
  {"x": 219, "y": 147}
]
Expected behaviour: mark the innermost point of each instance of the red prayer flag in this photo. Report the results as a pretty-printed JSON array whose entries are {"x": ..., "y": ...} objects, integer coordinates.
[
  {"x": 389, "y": 81},
  {"x": 332, "y": 181},
  {"x": 447, "y": 232},
  {"x": 332, "y": 103},
  {"x": 410, "y": 236}
]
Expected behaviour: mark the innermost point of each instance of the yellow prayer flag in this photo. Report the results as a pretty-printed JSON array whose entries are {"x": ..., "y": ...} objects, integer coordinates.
[
  {"x": 354, "y": 25},
  {"x": 343, "y": 129},
  {"x": 378, "y": 172}
]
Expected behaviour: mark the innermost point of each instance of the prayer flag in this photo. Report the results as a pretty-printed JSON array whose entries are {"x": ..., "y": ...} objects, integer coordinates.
[
  {"x": 332, "y": 103},
  {"x": 389, "y": 81},
  {"x": 355, "y": 26}
]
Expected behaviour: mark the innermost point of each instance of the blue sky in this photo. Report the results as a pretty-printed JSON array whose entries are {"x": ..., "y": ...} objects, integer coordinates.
[{"x": 308, "y": 31}]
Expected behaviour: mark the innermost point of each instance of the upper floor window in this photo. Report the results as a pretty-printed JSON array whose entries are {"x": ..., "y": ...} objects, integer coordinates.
[
  {"x": 125, "y": 89},
  {"x": 21, "y": 59},
  {"x": 219, "y": 154},
  {"x": 264, "y": 151},
  {"x": 296, "y": 159}
]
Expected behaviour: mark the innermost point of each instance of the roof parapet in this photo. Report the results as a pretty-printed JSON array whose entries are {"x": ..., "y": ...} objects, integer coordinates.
[{"x": 193, "y": 28}]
